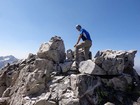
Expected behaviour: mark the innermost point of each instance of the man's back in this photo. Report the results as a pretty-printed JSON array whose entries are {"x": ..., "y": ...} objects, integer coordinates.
[{"x": 85, "y": 35}]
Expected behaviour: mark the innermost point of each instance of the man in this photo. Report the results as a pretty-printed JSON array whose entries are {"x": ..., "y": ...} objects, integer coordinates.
[{"x": 85, "y": 45}]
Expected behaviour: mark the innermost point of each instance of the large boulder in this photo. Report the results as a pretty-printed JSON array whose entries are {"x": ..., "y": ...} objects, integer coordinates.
[
  {"x": 66, "y": 66},
  {"x": 114, "y": 62},
  {"x": 84, "y": 87},
  {"x": 122, "y": 83},
  {"x": 53, "y": 50},
  {"x": 35, "y": 81},
  {"x": 89, "y": 67},
  {"x": 44, "y": 66}
]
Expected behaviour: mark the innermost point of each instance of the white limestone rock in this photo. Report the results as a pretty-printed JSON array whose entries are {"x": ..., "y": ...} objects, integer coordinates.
[
  {"x": 54, "y": 50},
  {"x": 89, "y": 67},
  {"x": 45, "y": 66},
  {"x": 114, "y": 62}
]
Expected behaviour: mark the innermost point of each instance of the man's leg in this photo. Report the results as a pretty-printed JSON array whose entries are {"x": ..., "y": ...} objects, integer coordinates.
[
  {"x": 76, "y": 55},
  {"x": 86, "y": 49}
]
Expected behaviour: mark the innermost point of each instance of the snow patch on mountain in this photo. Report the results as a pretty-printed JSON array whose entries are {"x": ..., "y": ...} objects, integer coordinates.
[{"x": 7, "y": 59}]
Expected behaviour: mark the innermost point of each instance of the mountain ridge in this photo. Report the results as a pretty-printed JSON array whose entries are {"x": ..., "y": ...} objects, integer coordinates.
[{"x": 7, "y": 59}]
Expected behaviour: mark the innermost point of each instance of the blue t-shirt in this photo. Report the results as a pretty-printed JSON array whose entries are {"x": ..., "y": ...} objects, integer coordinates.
[{"x": 85, "y": 35}]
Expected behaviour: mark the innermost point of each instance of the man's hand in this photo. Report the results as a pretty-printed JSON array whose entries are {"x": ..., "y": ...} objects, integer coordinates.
[{"x": 75, "y": 45}]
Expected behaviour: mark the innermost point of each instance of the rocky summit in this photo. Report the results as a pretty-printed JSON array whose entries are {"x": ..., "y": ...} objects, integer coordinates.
[{"x": 50, "y": 78}]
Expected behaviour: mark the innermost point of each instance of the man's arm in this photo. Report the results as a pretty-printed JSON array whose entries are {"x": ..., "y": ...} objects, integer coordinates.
[{"x": 80, "y": 36}]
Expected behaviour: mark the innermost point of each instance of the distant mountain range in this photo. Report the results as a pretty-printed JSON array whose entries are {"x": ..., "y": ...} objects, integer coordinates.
[{"x": 7, "y": 59}]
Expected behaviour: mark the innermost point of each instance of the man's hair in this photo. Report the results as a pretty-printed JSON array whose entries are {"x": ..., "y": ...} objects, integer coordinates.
[{"x": 78, "y": 26}]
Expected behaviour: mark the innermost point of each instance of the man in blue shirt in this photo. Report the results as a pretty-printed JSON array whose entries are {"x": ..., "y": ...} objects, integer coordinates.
[{"x": 85, "y": 45}]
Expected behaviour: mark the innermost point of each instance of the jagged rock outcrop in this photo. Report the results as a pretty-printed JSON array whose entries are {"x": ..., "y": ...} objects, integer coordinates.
[
  {"x": 48, "y": 78},
  {"x": 114, "y": 62},
  {"x": 53, "y": 50}
]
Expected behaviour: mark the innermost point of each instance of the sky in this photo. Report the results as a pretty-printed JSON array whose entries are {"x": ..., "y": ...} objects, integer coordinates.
[{"x": 112, "y": 24}]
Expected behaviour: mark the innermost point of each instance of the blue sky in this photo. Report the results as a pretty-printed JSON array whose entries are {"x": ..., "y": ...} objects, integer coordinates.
[{"x": 25, "y": 24}]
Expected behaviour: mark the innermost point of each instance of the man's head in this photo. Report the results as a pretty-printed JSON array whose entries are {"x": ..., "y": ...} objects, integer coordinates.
[{"x": 78, "y": 27}]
